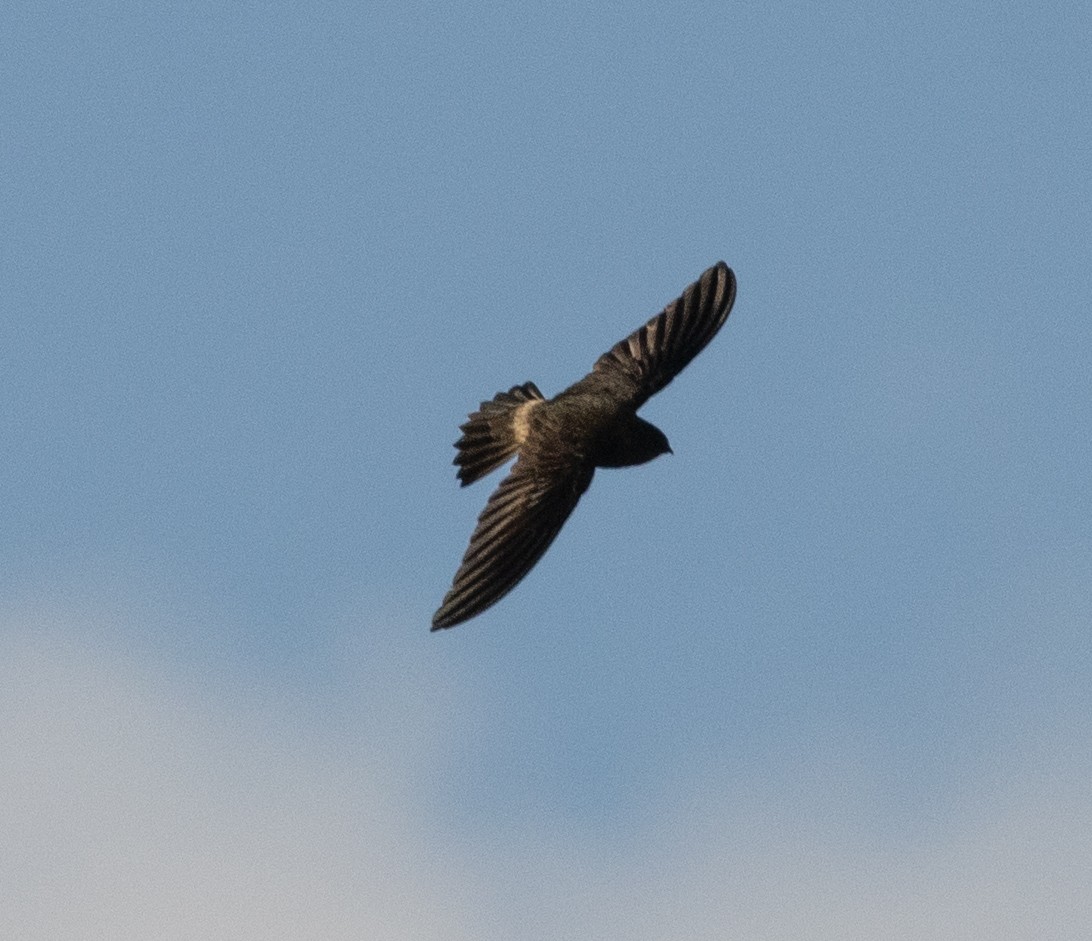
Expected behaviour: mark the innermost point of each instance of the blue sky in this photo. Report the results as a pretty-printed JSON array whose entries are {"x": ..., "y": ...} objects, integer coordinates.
[{"x": 824, "y": 672}]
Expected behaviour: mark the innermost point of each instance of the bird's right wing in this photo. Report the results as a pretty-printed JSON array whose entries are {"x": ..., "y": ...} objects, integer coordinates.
[
  {"x": 519, "y": 522},
  {"x": 639, "y": 366}
]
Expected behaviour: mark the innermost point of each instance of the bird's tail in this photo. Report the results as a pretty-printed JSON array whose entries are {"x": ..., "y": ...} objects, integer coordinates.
[{"x": 494, "y": 432}]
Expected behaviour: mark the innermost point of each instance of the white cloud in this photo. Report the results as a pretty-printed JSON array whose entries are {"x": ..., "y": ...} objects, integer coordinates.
[
  {"x": 133, "y": 808},
  {"x": 136, "y": 803}
]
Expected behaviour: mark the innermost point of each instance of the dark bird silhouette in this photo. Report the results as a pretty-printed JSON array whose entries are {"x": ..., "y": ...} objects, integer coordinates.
[{"x": 560, "y": 442}]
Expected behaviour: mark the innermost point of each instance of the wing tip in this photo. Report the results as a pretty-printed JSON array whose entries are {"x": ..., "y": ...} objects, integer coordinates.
[
  {"x": 446, "y": 617},
  {"x": 716, "y": 291},
  {"x": 722, "y": 272}
]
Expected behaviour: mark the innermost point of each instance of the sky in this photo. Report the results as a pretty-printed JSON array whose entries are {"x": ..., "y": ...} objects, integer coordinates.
[{"x": 824, "y": 672}]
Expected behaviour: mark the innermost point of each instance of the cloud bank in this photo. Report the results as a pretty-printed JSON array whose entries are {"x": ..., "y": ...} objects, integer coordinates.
[{"x": 136, "y": 802}]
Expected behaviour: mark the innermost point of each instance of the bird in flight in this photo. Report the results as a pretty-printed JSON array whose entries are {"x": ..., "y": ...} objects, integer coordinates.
[{"x": 561, "y": 441}]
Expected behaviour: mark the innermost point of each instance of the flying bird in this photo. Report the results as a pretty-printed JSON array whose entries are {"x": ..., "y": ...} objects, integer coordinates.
[{"x": 561, "y": 441}]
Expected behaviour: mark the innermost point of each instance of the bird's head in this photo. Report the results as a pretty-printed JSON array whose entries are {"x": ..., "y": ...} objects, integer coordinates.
[{"x": 647, "y": 442}]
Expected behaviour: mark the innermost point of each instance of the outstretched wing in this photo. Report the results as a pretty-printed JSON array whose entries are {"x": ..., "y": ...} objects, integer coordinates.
[
  {"x": 639, "y": 366},
  {"x": 519, "y": 522}
]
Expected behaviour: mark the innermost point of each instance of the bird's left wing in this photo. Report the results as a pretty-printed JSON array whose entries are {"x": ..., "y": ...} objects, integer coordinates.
[
  {"x": 519, "y": 522},
  {"x": 639, "y": 366}
]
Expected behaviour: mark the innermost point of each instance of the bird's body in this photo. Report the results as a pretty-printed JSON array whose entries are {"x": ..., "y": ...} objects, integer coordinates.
[
  {"x": 560, "y": 442},
  {"x": 591, "y": 428}
]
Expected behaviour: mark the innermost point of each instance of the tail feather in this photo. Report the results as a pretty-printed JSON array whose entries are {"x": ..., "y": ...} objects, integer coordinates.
[{"x": 494, "y": 433}]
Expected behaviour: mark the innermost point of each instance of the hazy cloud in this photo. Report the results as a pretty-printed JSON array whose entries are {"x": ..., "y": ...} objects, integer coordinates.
[{"x": 136, "y": 803}]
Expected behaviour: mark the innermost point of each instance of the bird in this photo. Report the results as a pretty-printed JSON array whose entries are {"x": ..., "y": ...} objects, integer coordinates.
[{"x": 560, "y": 442}]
